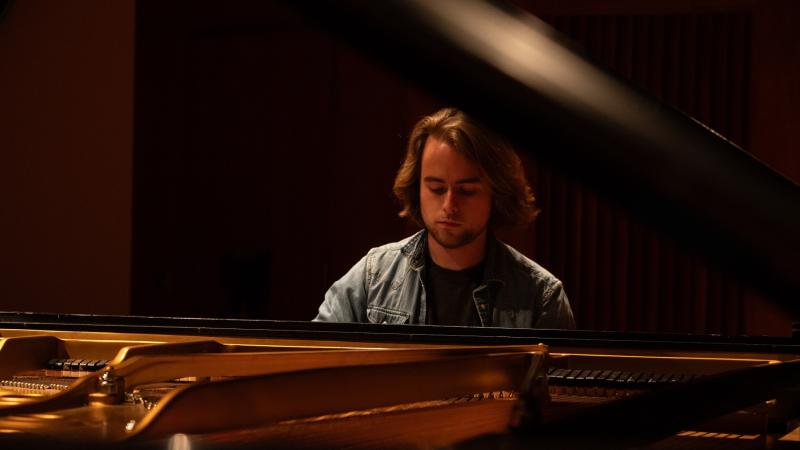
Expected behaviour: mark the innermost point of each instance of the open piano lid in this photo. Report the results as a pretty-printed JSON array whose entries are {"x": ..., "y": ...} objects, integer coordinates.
[{"x": 518, "y": 75}]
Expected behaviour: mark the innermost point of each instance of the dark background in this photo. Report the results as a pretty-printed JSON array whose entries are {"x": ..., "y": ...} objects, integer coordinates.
[{"x": 228, "y": 159}]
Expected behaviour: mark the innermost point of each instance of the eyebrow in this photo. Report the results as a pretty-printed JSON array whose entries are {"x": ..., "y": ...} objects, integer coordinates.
[{"x": 430, "y": 179}]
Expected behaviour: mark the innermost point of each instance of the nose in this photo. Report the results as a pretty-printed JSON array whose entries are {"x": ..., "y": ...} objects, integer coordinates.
[{"x": 450, "y": 206}]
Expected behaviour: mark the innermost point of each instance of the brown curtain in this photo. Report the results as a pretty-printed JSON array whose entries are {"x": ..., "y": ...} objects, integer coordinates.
[{"x": 619, "y": 273}]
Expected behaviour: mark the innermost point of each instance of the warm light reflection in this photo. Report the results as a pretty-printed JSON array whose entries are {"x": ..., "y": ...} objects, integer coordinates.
[
  {"x": 15, "y": 400},
  {"x": 47, "y": 416},
  {"x": 529, "y": 55},
  {"x": 179, "y": 441}
]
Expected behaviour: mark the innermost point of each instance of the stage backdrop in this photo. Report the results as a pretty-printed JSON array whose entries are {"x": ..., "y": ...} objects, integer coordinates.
[{"x": 265, "y": 152}]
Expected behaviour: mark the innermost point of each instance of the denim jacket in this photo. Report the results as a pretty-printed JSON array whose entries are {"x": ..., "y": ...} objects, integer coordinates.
[{"x": 386, "y": 286}]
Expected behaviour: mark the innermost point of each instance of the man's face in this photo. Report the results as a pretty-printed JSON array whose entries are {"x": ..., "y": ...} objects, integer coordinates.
[{"x": 455, "y": 200}]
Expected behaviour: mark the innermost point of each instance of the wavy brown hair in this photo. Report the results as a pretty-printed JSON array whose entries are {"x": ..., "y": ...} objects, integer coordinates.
[{"x": 512, "y": 199}]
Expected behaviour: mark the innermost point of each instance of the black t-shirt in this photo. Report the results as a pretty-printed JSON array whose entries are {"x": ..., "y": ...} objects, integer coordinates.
[{"x": 449, "y": 294}]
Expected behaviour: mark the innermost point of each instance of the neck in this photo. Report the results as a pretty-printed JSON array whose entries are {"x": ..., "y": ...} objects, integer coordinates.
[{"x": 464, "y": 257}]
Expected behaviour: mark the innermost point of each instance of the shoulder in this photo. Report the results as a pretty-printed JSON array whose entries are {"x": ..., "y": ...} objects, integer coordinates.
[
  {"x": 530, "y": 280},
  {"x": 520, "y": 266},
  {"x": 392, "y": 249}
]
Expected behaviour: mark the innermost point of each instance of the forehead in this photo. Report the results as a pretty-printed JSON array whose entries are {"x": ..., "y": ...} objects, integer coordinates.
[{"x": 442, "y": 160}]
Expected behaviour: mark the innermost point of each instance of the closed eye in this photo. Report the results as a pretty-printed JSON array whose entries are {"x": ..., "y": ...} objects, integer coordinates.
[
  {"x": 436, "y": 186},
  {"x": 467, "y": 192}
]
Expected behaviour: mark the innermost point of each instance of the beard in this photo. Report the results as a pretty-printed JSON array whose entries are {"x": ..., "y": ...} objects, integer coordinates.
[{"x": 452, "y": 240}]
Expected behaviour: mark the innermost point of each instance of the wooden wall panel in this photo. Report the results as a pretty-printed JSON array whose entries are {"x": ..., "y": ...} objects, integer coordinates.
[{"x": 66, "y": 126}]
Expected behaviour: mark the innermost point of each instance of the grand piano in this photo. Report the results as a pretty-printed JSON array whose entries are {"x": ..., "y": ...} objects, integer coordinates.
[
  {"x": 150, "y": 382},
  {"x": 72, "y": 380}
]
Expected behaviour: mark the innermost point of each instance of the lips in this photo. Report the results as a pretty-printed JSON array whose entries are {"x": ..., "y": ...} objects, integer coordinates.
[{"x": 447, "y": 223}]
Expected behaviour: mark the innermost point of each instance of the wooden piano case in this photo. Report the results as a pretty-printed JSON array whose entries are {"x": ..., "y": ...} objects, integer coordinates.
[{"x": 111, "y": 381}]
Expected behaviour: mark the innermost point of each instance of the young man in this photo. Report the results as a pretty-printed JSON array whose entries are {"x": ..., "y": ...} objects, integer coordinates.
[{"x": 460, "y": 182}]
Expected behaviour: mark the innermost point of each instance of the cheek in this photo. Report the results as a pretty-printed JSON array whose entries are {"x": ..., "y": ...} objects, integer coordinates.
[
  {"x": 427, "y": 202},
  {"x": 483, "y": 206}
]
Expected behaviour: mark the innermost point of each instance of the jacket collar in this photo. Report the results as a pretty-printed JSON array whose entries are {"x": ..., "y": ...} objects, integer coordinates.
[
  {"x": 415, "y": 249},
  {"x": 493, "y": 270}
]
